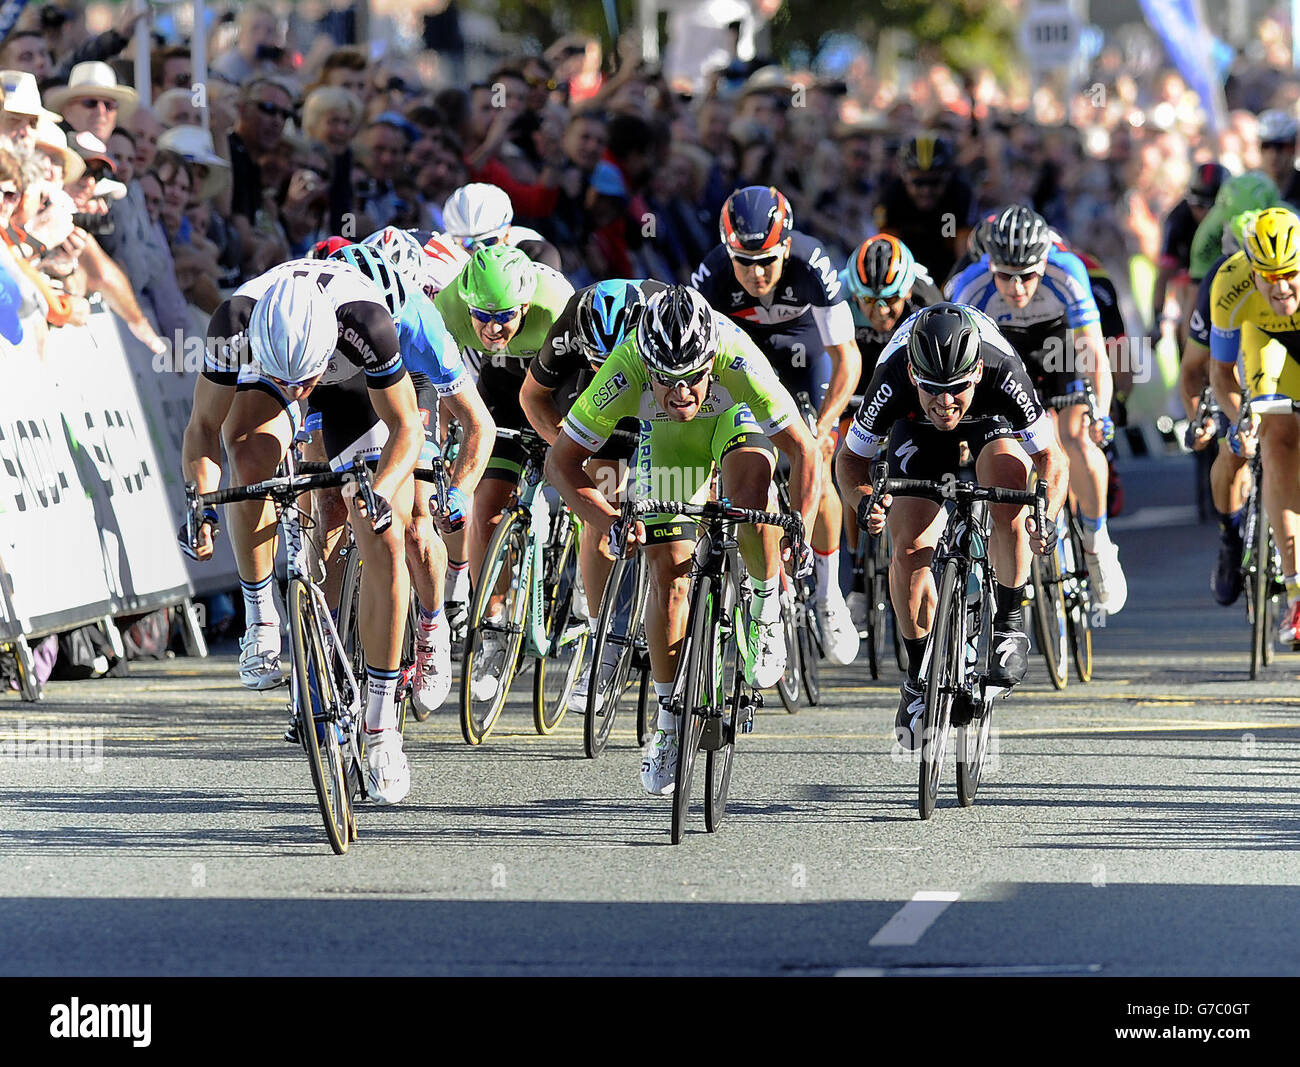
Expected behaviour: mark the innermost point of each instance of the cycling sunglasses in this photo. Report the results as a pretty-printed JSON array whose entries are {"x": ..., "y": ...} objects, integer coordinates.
[
  {"x": 765, "y": 260},
  {"x": 501, "y": 318},
  {"x": 674, "y": 381},
  {"x": 1012, "y": 276},
  {"x": 939, "y": 388},
  {"x": 471, "y": 244},
  {"x": 1275, "y": 276}
]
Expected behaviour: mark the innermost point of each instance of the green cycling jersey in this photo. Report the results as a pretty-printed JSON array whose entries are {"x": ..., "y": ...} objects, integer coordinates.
[{"x": 1214, "y": 237}]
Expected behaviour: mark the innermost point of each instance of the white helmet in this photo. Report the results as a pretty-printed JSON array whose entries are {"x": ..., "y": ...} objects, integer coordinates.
[
  {"x": 402, "y": 250},
  {"x": 477, "y": 210},
  {"x": 443, "y": 260},
  {"x": 293, "y": 330}
]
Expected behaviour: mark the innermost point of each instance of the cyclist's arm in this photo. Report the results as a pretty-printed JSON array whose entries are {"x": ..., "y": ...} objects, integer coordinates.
[
  {"x": 846, "y": 370},
  {"x": 1053, "y": 468},
  {"x": 853, "y": 474},
  {"x": 201, "y": 448},
  {"x": 397, "y": 407},
  {"x": 797, "y": 442},
  {"x": 466, "y": 407},
  {"x": 565, "y": 470},
  {"x": 539, "y": 405},
  {"x": 1091, "y": 347},
  {"x": 1192, "y": 375},
  {"x": 1164, "y": 275},
  {"x": 1225, "y": 380}
]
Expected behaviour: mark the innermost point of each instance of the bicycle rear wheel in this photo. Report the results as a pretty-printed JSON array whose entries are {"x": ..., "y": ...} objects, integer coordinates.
[
  {"x": 946, "y": 675},
  {"x": 493, "y": 646},
  {"x": 617, "y": 632},
  {"x": 728, "y": 680},
  {"x": 1049, "y": 616},
  {"x": 879, "y": 609},
  {"x": 567, "y": 638},
  {"x": 315, "y": 702},
  {"x": 694, "y": 658},
  {"x": 811, "y": 646},
  {"x": 1078, "y": 601},
  {"x": 788, "y": 685},
  {"x": 1261, "y": 640}
]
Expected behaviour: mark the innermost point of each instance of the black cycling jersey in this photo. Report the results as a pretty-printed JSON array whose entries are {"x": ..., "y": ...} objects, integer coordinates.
[
  {"x": 1176, "y": 244},
  {"x": 561, "y": 358},
  {"x": 928, "y": 235},
  {"x": 1198, "y": 328},
  {"x": 1004, "y": 405}
]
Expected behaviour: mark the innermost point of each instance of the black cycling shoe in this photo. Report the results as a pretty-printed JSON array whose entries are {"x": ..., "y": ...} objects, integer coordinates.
[
  {"x": 1009, "y": 659},
  {"x": 911, "y": 713},
  {"x": 1226, "y": 582},
  {"x": 291, "y": 731}
]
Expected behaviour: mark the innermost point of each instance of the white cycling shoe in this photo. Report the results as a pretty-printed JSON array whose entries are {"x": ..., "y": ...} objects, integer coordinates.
[
  {"x": 1108, "y": 579},
  {"x": 388, "y": 775},
  {"x": 838, "y": 629},
  {"x": 659, "y": 764},
  {"x": 259, "y": 657},
  {"x": 767, "y": 640},
  {"x": 433, "y": 671},
  {"x": 485, "y": 678}
]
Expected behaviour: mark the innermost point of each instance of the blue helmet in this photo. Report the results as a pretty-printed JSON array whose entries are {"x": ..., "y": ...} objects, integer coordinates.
[
  {"x": 881, "y": 268},
  {"x": 607, "y": 312},
  {"x": 368, "y": 260}
]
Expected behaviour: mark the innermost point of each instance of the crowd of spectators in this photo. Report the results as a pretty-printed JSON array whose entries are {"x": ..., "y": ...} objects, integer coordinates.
[{"x": 622, "y": 173}]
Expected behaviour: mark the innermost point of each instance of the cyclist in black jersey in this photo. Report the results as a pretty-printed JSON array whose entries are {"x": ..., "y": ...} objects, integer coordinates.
[
  {"x": 1175, "y": 259},
  {"x": 949, "y": 376},
  {"x": 780, "y": 287},
  {"x": 931, "y": 207}
]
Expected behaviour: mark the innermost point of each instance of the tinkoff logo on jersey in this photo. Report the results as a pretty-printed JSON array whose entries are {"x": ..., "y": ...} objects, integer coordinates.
[{"x": 609, "y": 392}]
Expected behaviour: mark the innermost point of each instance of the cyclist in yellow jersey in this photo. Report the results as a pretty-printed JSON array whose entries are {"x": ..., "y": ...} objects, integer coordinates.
[{"x": 1255, "y": 308}]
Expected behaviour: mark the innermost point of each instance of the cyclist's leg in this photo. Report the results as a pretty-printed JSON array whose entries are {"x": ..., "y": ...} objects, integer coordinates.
[
  {"x": 456, "y": 589},
  {"x": 426, "y": 555},
  {"x": 595, "y": 565},
  {"x": 1271, "y": 371}
]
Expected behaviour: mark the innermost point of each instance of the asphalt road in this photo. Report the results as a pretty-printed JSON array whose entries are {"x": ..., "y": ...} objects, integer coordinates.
[{"x": 1145, "y": 824}]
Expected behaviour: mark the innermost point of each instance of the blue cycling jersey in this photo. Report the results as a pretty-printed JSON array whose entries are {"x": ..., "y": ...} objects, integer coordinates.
[
  {"x": 428, "y": 348},
  {"x": 1063, "y": 299}
]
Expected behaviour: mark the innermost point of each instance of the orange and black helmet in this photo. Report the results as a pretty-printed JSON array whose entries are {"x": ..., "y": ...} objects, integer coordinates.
[{"x": 755, "y": 220}]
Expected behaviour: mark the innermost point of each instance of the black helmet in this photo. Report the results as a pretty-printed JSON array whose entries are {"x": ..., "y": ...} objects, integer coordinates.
[
  {"x": 944, "y": 346},
  {"x": 677, "y": 334},
  {"x": 926, "y": 151},
  {"x": 1018, "y": 237},
  {"x": 1206, "y": 180}
]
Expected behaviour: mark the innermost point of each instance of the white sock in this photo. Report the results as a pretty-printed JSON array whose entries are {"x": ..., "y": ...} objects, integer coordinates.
[
  {"x": 827, "y": 571},
  {"x": 1095, "y": 534},
  {"x": 381, "y": 708},
  {"x": 457, "y": 582},
  {"x": 667, "y": 720},
  {"x": 259, "y": 602},
  {"x": 767, "y": 601},
  {"x": 429, "y": 623}
]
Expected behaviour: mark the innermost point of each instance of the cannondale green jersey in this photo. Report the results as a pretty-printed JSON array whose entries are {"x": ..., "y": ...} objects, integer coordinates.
[{"x": 547, "y": 304}]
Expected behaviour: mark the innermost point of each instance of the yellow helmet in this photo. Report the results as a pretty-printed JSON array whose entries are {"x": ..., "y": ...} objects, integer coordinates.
[{"x": 1272, "y": 242}]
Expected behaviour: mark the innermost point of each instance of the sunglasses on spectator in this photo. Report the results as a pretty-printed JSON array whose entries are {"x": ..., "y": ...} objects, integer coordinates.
[
  {"x": 501, "y": 318},
  {"x": 471, "y": 244},
  {"x": 268, "y": 108},
  {"x": 95, "y": 104},
  {"x": 9, "y": 193},
  {"x": 675, "y": 381},
  {"x": 1277, "y": 146},
  {"x": 765, "y": 260},
  {"x": 1013, "y": 276},
  {"x": 939, "y": 388},
  {"x": 930, "y": 181}
]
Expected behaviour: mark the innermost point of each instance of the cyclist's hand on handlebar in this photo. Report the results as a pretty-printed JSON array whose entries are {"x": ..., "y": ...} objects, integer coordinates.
[
  {"x": 452, "y": 518},
  {"x": 208, "y": 525},
  {"x": 871, "y": 513},
  {"x": 798, "y": 557},
  {"x": 383, "y": 511},
  {"x": 1044, "y": 543},
  {"x": 1103, "y": 430},
  {"x": 1198, "y": 435},
  {"x": 622, "y": 543}
]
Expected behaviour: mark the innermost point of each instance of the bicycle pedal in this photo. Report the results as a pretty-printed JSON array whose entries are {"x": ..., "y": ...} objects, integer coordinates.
[{"x": 744, "y": 722}]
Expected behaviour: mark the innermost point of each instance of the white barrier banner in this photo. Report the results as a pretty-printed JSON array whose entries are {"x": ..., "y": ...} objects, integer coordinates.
[
  {"x": 53, "y": 567},
  {"x": 110, "y": 442},
  {"x": 166, "y": 397}
]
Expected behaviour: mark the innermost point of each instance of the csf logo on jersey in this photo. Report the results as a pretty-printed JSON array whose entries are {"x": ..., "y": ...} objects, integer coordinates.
[
  {"x": 608, "y": 392},
  {"x": 1016, "y": 391}
]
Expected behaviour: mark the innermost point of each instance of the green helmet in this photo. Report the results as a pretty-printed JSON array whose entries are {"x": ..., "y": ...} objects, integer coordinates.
[
  {"x": 1237, "y": 227},
  {"x": 1252, "y": 191},
  {"x": 498, "y": 278}
]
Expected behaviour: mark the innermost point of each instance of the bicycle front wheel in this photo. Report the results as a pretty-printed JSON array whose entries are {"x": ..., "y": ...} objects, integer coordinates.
[
  {"x": 493, "y": 644},
  {"x": 315, "y": 703},
  {"x": 1261, "y": 599},
  {"x": 617, "y": 633},
  {"x": 1078, "y": 603},
  {"x": 567, "y": 637},
  {"x": 811, "y": 646},
  {"x": 946, "y": 676},
  {"x": 727, "y": 677},
  {"x": 787, "y": 686},
  {"x": 695, "y": 659}
]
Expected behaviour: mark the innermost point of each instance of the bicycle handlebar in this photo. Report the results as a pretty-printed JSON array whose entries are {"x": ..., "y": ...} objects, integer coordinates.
[
  {"x": 717, "y": 509},
  {"x": 882, "y": 485},
  {"x": 1273, "y": 405}
]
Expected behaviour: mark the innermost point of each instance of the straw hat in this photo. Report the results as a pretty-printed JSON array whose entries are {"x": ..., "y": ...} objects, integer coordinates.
[
  {"x": 97, "y": 80},
  {"x": 195, "y": 144},
  {"x": 21, "y": 97},
  {"x": 49, "y": 135}
]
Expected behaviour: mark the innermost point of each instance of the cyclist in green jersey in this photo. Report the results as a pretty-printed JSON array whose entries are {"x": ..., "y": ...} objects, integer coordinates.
[
  {"x": 499, "y": 311},
  {"x": 705, "y": 395}
]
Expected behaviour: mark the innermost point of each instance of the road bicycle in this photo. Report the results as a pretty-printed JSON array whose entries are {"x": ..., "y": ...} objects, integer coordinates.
[
  {"x": 325, "y": 698},
  {"x": 955, "y": 666},
  {"x": 1261, "y": 562},
  {"x": 531, "y": 570},
  {"x": 710, "y": 697}
]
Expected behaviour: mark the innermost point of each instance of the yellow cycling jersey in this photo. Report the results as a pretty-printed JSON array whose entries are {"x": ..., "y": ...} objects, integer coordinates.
[{"x": 1242, "y": 323}]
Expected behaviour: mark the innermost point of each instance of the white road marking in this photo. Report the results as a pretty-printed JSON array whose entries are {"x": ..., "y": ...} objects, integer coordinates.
[
  {"x": 914, "y": 918},
  {"x": 1151, "y": 518},
  {"x": 974, "y": 969}
]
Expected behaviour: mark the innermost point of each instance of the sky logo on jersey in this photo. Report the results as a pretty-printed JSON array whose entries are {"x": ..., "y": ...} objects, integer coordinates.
[
  {"x": 1017, "y": 393},
  {"x": 905, "y": 452}
]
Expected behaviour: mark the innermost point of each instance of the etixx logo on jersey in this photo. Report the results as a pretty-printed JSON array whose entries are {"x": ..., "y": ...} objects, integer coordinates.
[{"x": 878, "y": 401}]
